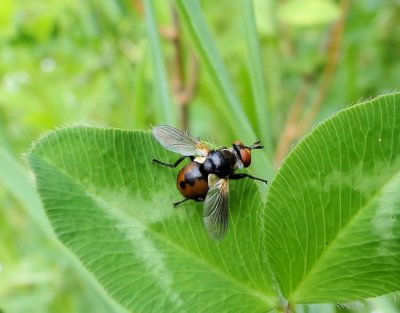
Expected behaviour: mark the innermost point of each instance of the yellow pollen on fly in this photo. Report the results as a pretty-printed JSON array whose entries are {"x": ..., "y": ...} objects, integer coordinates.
[{"x": 202, "y": 146}]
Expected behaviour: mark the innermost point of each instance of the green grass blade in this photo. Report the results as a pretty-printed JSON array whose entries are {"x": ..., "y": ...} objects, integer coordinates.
[
  {"x": 193, "y": 18},
  {"x": 14, "y": 177},
  {"x": 256, "y": 72},
  {"x": 167, "y": 110},
  {"x": 139, "y": 93}
]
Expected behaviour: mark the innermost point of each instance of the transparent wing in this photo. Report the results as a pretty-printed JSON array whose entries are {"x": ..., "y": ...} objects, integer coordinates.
[
  {"x": 216, "y": 209},
  {"x": 178, "y": 141}
]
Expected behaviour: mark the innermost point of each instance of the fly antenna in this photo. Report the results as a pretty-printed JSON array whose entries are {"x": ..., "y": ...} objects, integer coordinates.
[{"x": 256, "y": 145}]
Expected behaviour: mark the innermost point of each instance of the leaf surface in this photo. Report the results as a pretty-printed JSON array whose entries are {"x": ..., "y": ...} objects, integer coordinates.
[
  {"x": 113, "y": 208},
  {"x": 332, "y": 217},
  {"x": 330, "y": 230}
]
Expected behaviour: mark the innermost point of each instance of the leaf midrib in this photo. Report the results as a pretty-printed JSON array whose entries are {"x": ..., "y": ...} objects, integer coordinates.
[
  {"x": 270, "y": 301},
  {"x": 294, "y": 294}
]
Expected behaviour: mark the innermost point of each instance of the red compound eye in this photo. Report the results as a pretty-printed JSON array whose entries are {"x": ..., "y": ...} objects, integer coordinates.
[{"x": 245, "y": 153}]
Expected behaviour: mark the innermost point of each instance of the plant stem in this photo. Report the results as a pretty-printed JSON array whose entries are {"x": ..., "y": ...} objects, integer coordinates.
[
  {"x": 297, "y": 124},
  {"x": 334, "y": 46},
  {"x": 183, "y": 86},
  {"x": 138, "y": 6},
  {"x": 290, "y": 128}
]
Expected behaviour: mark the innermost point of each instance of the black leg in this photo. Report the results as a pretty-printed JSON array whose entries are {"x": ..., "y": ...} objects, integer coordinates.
[
  {"x": 170, "y": 165},
  {"x": 199, "y": 199},
  {"x": 179, "y": 202},
  {"x": 242, "y": 175}
]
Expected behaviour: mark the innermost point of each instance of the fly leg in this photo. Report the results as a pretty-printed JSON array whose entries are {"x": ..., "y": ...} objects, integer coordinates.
[
  {"x": 175, "y": 204},
  {"x": 243, "y": 175},
  {"x": 199, "y": 199},
  {"x": 177, "y": 162}
]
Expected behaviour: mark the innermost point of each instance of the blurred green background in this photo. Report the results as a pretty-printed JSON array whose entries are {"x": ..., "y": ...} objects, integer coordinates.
[{"x": 68, "y": 62}]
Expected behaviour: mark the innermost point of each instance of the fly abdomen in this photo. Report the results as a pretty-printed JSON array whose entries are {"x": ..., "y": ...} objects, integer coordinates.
[{"x": 191, "y": 182}]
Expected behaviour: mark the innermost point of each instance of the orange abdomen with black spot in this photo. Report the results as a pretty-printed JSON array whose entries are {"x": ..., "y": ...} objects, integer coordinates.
[{"x": 191, "y": 182}]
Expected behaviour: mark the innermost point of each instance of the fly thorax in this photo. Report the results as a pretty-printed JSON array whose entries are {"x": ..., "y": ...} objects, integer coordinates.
[
  {"x": 230, "y": 157},
  {"x": 220, "y": 162},
  {"x": 209, "y": 166}
]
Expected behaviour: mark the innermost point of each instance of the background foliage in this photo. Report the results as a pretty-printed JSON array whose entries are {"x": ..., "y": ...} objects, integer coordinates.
[{"x": 69, "y": 62}]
